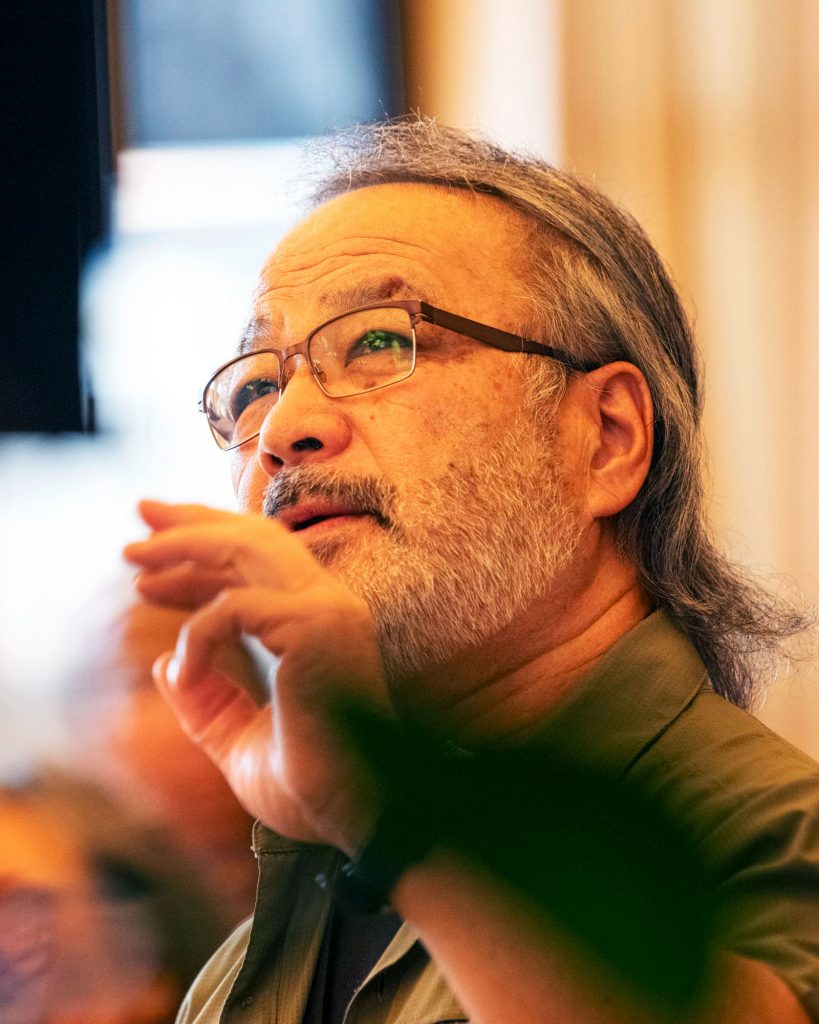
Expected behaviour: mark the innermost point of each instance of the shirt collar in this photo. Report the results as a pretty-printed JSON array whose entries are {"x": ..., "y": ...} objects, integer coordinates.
[{"x": 266, "y": 841}]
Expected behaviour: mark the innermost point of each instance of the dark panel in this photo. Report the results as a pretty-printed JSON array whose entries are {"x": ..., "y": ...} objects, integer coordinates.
[
  {"x": 245, "y": 69},
  {"x": 57, "y": 167}
]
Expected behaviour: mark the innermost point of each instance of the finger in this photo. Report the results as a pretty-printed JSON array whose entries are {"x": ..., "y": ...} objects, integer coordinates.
[
  {"x": 184, "y": 585},
  {"x": 160, "y": 515},
  {"x": 259, "y": 550},
  {"x": 251, "y": 610},
  {"x": 214, "y": 712},
  {"x": 213, "y": 544}
]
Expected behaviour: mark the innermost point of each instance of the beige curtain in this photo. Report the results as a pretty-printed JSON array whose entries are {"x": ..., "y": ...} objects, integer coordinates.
[{"x": 701, "y": 117}]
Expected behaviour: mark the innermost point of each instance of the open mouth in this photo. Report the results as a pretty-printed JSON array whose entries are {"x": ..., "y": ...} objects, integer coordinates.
[
  {"x": 309, "y": 522},
  {"x": 305, "y": 524}
]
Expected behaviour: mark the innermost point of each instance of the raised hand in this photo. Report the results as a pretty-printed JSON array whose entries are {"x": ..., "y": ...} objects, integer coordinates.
[{"x": 248, "y": 574}]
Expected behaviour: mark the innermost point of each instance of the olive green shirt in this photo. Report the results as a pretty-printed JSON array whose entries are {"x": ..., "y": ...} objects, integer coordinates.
[{"x": 748, "y": 798}]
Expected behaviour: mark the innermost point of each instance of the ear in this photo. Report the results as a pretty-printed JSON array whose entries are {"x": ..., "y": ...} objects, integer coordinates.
[{"x": 622, "y": 424}]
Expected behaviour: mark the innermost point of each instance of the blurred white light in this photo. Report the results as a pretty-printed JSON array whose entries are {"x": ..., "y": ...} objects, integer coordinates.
[{"x": 161, "y": 309}]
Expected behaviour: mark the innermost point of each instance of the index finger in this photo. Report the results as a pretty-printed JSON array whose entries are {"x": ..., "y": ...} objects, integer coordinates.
[
  {"x": 161, "y": 515},
  {"x": 249, "y": 548}
]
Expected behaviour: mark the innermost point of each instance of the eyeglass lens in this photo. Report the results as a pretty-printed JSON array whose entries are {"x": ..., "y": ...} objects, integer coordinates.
[{"x": 352, "y": 354}]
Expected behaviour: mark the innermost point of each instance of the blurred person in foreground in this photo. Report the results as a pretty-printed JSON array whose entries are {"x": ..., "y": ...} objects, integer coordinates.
[
  {"x": 81, "y": 934},
  {"x": 118, "y": 877},
  {"x": 126, "y": 737},
  {"x": 464, "y": 431}
]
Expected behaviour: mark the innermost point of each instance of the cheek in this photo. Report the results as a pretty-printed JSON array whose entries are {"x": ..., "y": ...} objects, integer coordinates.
[
  {"x": 238, "y": 465},
  {"x": 248, "y": 480},
  {"x": 473, "y": 411},
  {"x": 480, "y": 401},
  {"x": 410, "y": 436}
]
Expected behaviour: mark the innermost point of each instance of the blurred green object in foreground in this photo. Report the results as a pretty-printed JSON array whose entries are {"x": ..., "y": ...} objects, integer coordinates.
[{"x": 587, "y": 854}]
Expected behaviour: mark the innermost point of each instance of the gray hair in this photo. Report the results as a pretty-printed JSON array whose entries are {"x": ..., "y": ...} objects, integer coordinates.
[{"x": 613, "y": 300}]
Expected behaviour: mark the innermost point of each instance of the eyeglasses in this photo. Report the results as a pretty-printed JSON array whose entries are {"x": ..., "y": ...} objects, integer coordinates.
[{"x": 362, "y": 350}]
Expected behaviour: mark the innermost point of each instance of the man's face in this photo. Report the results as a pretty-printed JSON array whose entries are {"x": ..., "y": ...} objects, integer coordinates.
[{"x": 441, "y": 499}]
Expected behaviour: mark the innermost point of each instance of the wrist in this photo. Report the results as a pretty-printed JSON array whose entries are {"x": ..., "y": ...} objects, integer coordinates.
[{"x": 365, "y": 883}]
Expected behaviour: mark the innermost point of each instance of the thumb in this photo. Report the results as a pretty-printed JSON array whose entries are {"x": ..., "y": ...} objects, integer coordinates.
[{"x": 213, "y": 709}]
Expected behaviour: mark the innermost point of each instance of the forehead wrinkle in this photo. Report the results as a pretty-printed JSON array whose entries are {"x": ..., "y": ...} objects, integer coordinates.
[
  {"x": 309, "y": 258},
  {"x": 379, "y": 288},
  {"x": 299, "y": 252},
  {"x": 286, "y": 274}
]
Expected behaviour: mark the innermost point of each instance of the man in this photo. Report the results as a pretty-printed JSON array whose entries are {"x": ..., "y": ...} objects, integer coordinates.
[{"x": 488, "y": 543}]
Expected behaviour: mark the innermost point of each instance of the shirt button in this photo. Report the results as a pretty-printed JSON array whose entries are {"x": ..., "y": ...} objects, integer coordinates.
[{"x": 246, "y": 1002}]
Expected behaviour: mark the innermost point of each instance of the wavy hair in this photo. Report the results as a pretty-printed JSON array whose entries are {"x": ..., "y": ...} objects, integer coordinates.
[{"x": 599, "y": 288}]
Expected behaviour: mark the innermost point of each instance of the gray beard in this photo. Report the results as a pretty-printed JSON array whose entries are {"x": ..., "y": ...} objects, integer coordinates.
[{"x": 455, "y": 560}]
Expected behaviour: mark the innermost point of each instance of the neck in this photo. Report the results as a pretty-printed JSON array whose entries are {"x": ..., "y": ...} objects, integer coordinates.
[{"x": 501, "y": 691}]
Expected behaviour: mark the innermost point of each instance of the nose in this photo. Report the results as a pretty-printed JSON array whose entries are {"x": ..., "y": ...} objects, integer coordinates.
[{"x": 305, "y": 425}]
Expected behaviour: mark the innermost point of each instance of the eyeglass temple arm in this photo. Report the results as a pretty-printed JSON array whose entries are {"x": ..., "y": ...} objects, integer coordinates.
[{"x": 500, "y": 339}]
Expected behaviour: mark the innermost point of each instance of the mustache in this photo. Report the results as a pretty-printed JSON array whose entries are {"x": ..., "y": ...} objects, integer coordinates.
[{"x": 364, "y": 494}]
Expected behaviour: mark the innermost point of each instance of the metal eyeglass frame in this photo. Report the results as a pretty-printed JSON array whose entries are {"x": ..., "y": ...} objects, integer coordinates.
[{"x": 419, "y": 312}]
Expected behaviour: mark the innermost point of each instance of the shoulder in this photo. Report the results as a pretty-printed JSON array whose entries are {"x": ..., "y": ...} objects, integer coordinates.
[
  {"x": 750, "y": 802},
  {"x": 715, "y": 756},
  {"x": 206, "y": 998}
]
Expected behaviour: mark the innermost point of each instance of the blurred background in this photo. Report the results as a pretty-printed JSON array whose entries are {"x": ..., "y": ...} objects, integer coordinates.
[{"x": 699, "y": 116}]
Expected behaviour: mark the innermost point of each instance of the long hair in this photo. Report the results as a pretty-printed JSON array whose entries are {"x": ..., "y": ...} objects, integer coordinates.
[{"x": 598, "y": 288}]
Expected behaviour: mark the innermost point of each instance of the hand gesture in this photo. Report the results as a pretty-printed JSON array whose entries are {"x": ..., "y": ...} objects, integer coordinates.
[{"x": 248, "y": 574}]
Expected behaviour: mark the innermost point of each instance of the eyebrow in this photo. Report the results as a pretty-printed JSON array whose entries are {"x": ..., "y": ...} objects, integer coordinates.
[
  {"x": 338, "y": 300},
  {"x": 256, "y": 330},
  {"x": 335, "y": 301}
]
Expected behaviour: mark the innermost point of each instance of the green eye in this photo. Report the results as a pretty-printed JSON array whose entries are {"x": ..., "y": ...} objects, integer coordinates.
[
  {"x": 376, "y": 342},
  {"x": 251, "y": 391}
]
